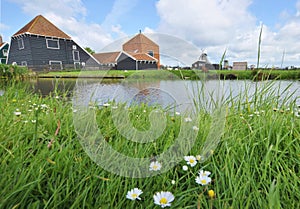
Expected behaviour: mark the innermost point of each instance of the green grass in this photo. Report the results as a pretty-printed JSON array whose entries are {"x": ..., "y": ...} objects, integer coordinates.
[
  {"x": 256, "y": 164},
  {"x": 184, "y": 74}
]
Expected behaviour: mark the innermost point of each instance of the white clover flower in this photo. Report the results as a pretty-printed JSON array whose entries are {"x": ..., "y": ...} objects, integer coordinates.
[
  {"x": 185, "y": 168},
  {"x": 155, "y": 166},
  {"x": 134, "y": 194},
  {"x": 163, "y": 199},
  {"x": 203, "y": 180},
  {"x": 191, "y": 160}
]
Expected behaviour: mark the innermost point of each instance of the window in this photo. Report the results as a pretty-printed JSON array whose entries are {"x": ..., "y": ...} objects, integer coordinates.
[
  {"x": 77, "y": 65},
  {"x": 20, "y": 43},
  {"x": 52, "y": 44},
  {"x": 76, "y": 56},
  {"x": 24, "y": 63},
  {"x": 55, "y": 65},
  {"x": 4, "y": 51},
  {"x": 151, "y": 53}
]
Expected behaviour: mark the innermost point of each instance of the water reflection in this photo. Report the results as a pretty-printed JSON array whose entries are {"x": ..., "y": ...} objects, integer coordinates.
[{"x": 167, "y": 93}]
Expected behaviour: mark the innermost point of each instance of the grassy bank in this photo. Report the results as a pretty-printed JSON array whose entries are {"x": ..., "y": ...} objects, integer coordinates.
[
  {"x": 183, "y": 74},
  {"x": 13, "y": 72},
  {"x": 43, "y": 165}
]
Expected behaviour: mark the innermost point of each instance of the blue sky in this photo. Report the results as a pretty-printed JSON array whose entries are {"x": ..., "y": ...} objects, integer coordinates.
[{"x": 187, "y": 26}]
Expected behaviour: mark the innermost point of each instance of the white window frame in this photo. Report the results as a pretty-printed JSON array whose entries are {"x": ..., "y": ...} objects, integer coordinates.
[
  {"x": 49, "y": 47},
  {"x": 78, "y": 64},
  {"x": 24, "y": 63},
  {"x": 55, "y": 62},
  {"x": 73, "y": 52},
  {"x": 20, "y": 43},
  {"x": 5, "y": 52}
]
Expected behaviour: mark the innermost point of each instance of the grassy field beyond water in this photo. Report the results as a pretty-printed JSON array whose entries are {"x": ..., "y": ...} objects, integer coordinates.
[{"x": 43, "y": 165}]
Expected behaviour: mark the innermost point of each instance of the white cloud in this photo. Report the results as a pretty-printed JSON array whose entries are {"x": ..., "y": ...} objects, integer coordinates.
[
  {"x": 65, "y": 8},
  {"x": 217, "y": 25}
]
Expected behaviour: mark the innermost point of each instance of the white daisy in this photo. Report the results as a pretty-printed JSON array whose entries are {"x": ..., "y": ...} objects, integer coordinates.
[
  {"x": 134, "y": 194},
  {"x": 195, "y": 128},
  {"x": 188, "y": 119},
  {"x": 106, "y": 104},
  {"x": 155, "y": 166},
  {"x": 203, "y": 180},
  {"x": 204, "y": 173},
  {"x": 191, "y": 160},
  {"x": 163, "y": 199},
  {"x": 198, "y": 157},
  {"x": 17, "y": 113}
]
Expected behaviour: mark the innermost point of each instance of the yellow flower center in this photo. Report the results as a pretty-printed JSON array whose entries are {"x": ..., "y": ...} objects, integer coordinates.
[
  {"x": 203, "y": 181},
  {"x": 163, "y": 201},
  {"x": 155, "y": 167},
  {"x": 134, "y": 196},
  {"x": 192, "y": 160}
]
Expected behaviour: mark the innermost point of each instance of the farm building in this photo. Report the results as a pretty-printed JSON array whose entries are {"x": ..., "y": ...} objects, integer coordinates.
[
  {"x": 239, "y": 65},
  {"x": 40, "y": 45},
  {"x": 203, "y": 63},
  {"x": 138, "y": 53},
  {"x": 3, "y": 51}
]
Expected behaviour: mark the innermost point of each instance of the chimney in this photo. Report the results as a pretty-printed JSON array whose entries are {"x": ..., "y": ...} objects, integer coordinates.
[
  {"x": 140, "y": 31},
  {"x": 1, "y": 41}
]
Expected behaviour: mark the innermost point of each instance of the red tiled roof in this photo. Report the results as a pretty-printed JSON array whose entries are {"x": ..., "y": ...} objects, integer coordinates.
[
  {"x": 140, "y": 43},
  {"x": 41, "y": 26},
  {"x": 106, "y": 58}
]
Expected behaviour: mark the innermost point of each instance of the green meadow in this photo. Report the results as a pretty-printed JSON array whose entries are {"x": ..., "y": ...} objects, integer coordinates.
[{"x": 44, "y": 165}]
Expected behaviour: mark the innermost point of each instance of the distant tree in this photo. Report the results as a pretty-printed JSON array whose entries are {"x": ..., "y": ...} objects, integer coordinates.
[{"x": 89, "y": 50}]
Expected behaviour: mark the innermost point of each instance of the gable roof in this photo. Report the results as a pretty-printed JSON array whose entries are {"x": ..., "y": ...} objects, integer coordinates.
[
  {"x": 41, "y": 26},
  {"x": 3, "y": 44},
  {"x": 107, "y": 57},
  {"x": 138, "y": 44}
]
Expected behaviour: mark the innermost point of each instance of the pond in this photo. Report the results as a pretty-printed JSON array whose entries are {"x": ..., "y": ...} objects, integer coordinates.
[{"x": 168, "y": 93}]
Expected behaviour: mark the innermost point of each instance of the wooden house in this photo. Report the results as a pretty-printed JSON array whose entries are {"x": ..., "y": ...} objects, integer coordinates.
[
  {"x": 3, "y": 51},
  {"x": 139, "y": 53},
  {"x": 40, "y": 45}
]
